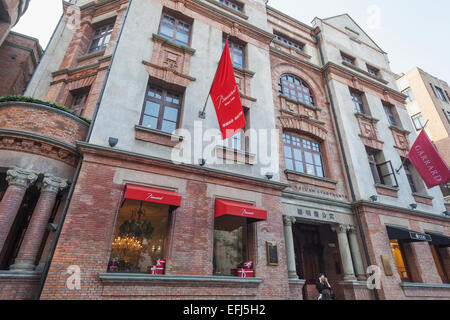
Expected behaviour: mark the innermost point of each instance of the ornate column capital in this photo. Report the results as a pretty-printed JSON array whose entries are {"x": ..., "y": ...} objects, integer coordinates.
[
  {"x": 288, "y": 220},
  {"x": 53, "y": 184},
  {"x": 352, "y": 229},
  {"x": 340, "y": 228},
  {"x": 21, "y": 177}
]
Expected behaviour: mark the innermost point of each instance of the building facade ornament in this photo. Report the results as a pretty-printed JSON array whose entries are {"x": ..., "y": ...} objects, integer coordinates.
[
  {"x": 21, "y": 177},
  {"x": 53, "y": 184}
]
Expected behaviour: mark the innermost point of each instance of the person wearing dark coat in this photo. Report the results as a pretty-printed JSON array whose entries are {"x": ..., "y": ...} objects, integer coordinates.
[{"x": 324, "y": 288}]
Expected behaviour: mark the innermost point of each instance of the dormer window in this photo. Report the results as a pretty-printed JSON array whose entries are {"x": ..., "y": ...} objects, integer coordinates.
[
  {"x": 233, "y": 5},
  {"x": 348, "y": 59},
  {"x": 289, "y": 42},
  {"x": 373, "y": 71}
]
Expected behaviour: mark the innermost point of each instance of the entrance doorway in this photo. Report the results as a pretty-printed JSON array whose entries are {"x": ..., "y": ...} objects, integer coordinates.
[{"x": 316, "y": 251}]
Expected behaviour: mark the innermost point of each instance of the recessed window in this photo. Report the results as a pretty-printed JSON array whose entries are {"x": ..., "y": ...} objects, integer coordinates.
[
  {"x": 233, "y": 5},
  {"x": 399, "y": 259},
  {"x": 101, "y": 38},
  {"x": 439, "y": 263},
  {"x": 410, "y": 95},
  {"x": 236, "y": 53},
  {"x": 303, "y": 155},
  {"x": 357, "y": 98},
  {"x": 440, "y": 94},
  {"x": 78, "y": 100},
  {"x": 175, "y": 30},
  {"x": 409, "y": 175},
  {"x": 382, "y": 171},
  {"x": 389, "y": 110},
  {"x": 418, "y": 121},
  {"x": 289, "y": 42},
  {"x": 139, "y": 237},
  {"x": 161, "y": 109},
  {"x": 348, "y": 59},
  {"x": 295, "y": 89},
  {"x": 373, "y": 71},
  {"x": 230, "y": 244}
]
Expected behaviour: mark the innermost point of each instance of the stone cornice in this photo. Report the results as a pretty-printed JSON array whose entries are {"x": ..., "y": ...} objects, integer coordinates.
[
  {"x": 295, "y": 60},
  {"x": 122, "y": 155},
  {"x": 333, "y": 67},
  {"x": 351, "y": 66},
  {"x": 229, "y": 20}
]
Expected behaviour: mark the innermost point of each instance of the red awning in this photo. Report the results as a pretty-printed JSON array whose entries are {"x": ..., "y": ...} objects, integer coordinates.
[
  {"x": 152, "y": 195},
  {"x": 224, "y": 207}
]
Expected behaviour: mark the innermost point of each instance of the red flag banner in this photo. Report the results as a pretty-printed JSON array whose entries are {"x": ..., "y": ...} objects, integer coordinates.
[
  {"x": 426, "y": 159},
  {"x": 226, "y": 99}
]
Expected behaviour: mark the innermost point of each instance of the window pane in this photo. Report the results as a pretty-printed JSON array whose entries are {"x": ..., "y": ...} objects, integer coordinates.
[
  {"x": 298, "y": 155},
  {"x": 319, "y": 171},
  {"x": 287, "y": 152},
  {"x": 182, "y": 38},
  {"x": 166, "y": 32},
  {"x": 170, "y": 114},
  {"x": 309, "y": 157},
  {"x": 310, "y": 169},
  {"x": 289, "y": 164},
  {"x": 152, "y": 109},
  {"x": 317, "y": 159},
  {"x": 149, "y": 122},
  {"x": 168, "y": 126},
  {"x": 299, "y": 166}
]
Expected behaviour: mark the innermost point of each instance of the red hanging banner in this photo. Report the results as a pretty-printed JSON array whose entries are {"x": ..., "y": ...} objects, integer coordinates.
[
  {"x": 426, "y": 159},
  {"x": 226, "y": 99}
]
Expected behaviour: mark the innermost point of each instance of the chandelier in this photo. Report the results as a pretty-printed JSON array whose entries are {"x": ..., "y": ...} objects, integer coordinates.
[
  {"x": 126, "y": 243},
  {"x": 135, "y": 227}
]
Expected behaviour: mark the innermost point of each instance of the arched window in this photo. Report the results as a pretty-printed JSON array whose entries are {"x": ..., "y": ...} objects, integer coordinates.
[
  {"x": 303, "y": 155},
  {"x": 296, "y": 89}
]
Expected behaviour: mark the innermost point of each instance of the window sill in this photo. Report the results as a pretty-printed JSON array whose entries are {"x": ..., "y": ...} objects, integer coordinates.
[
  {"x": 170, "y": 279},
  {"x": 309, "y": 179},
  {"x": 401, "y": 130},
  {"x": 422, "y": 198},
  {"x": 91, "y": 55},
  {"x": 425, "y": 285},
  {"x": 387, "y": 190},
  {"x": 366, "y": 116},
  {"x": 235, "y": 155},
  {"x": 217, "y": 3},
  {"x": 364, "y": 72},
  {"x": 244, "y": 71},
  {"x": 173, "y": 44},
  {"x": 157, "y": 136}
]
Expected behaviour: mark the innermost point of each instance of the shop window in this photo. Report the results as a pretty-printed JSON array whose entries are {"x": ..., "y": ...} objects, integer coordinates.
[
  {"x": 101, "y": 37},
  {"x": 238, "y": 141},
  {"x": 175, "y": 30},
  {"x": 295, "y": 89},
  {"x": 237, "y": 52},
  {"x": 139, "y": 237},
  {"x": 162, "y": 109},
  {"x": 399, "y": 258},
  {"x": 303, "y": 155},
  {"x": 439, "y": 263},
  {"x": 230, "y": 244}
]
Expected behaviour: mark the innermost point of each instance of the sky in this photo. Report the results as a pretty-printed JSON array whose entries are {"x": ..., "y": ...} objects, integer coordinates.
[{"x": 412, "y": 32}]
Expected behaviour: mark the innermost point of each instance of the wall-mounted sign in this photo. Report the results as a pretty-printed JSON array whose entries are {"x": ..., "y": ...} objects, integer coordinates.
[
  {"x": 272, "y": 253},
  {"x": 420, "y": 236}
]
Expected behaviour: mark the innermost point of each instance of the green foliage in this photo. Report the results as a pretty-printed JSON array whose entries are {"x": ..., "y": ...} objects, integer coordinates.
[{"x": 12, "y": 98}]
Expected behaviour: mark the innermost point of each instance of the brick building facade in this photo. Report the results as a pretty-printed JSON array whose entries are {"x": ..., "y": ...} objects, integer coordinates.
[{"x": 289, "y": 191}]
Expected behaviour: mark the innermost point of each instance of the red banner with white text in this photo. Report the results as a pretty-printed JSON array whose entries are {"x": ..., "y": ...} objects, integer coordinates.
[
  {"x": 426, "y": 159},
  {"x": 226, "y": 99}
]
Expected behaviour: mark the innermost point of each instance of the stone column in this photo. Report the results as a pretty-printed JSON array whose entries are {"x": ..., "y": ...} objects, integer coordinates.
[
  {"x": 19, "y": 181},
  {"x": 290, "y": 252},
  {"x": 356, "y": 254},
  {"x": 344, "y": 249},
  {"x": 33, "y": 237}
]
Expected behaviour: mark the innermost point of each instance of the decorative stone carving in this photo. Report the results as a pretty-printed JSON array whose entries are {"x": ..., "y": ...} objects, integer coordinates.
[
  {"x": 369, "y": 132},
  {"x": 304, "y": 125},
  {"x": 53, "y": 184},
  {"x": 288, "y": 221},
  {"x": 340, "y": 228},
  {"x": 21, "y": 177},
  {"x": 401, "y": 141}
]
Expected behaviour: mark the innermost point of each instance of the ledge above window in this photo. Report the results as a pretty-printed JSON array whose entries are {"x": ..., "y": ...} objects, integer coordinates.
[
  {"x": 173, "y": 44},
  {"x": 235, "y": 155},
  {"x": 310, "y": 179},
  {"x": 306, "y": 105},
  {"x": 157, "y": 136},
  {"x": 91, "y": 55},
  {"x": 347, "y": 64},
  {"x": 297, "y": 51},
  {"x": 385, "y": 190}
]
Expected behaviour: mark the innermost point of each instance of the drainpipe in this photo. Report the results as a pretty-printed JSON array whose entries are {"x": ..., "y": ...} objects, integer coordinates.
[
  {"x": 347, "y": 170},
  {"x": 77, "y": 172}
]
